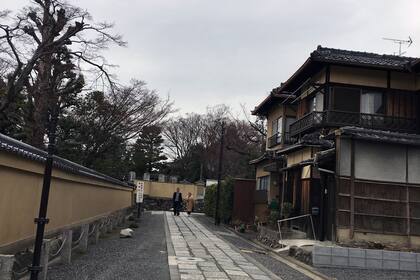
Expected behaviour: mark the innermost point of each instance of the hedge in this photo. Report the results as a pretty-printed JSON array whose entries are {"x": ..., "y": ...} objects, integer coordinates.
[{"x": 226, "y": 201}]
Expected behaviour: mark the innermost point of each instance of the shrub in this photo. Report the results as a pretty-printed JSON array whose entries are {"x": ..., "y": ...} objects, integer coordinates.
[
  {"x": 274, "y": 217},
  {"x": 210, "y": 200},
  {"x": 287, "y": 209},
  {"x": 226, "y": 200}
]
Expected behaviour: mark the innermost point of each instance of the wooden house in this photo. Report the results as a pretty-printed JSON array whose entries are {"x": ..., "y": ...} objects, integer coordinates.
[{"x": 353, "y": 155}]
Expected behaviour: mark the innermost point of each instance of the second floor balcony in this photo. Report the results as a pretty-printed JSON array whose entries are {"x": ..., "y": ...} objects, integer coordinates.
[
  {"x": 333, "y": 118},
  {"x": 280, "y": 138}
]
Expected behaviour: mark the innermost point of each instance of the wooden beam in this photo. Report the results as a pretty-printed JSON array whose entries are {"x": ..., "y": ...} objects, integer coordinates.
[
  {"x": 352, "y": 164},
  {"x": 407, "y": 196}
]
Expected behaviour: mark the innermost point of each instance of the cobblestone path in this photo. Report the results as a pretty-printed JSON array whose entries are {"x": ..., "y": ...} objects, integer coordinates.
[{"x": 200, "y": 254}]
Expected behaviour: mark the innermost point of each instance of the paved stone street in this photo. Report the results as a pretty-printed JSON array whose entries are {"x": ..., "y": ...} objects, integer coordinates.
[
  {"x": 200, "y": 254},
  {"x": 177, "y": 248}
]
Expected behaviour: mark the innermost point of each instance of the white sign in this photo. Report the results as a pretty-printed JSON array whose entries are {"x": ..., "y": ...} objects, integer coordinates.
[{"x": 139, "y": 192}]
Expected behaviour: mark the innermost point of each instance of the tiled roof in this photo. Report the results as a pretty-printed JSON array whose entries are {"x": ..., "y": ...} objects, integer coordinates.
[
  {"x": 362, "y": 58},
  {"x": 379, "y": 135},
  {"x": 19, "y": 148},
  {"x": 337, "y": 56}
]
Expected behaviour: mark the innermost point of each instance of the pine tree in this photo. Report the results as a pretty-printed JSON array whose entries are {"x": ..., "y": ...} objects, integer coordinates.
[{"x": 148, "y": 150}]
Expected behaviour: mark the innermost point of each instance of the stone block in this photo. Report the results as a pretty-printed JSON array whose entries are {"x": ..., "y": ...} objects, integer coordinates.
[
  {"x": 339, "y": 261},
  {"x": 321, "y": 256},
  {"x": 391, "y": 255},
  {"x": 340, "y": 252},
  {"x": 357, "y": 257},
  {"x": 321, "y": 260},
  {"x": 357, "y": 253},
  {"x": 321, "y": 250},
  {"x": 391, "y": 260},
  {"x": 408, "y": 261},
  {"x": 391, "y": 264},
  {"x": 340, "y": 256},
  {"x": 373, "y": 264},
  {"x": 418, "y": 261},
  {"x": 374, "y": 254},
  {"x": 408, "y": 266},
  {"x": 408, "y": 257},
  {"x": 374, "y": 259}
]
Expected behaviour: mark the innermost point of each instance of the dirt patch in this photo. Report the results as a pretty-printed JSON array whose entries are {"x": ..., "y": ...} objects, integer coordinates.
[{"x": 378, "y": 246}]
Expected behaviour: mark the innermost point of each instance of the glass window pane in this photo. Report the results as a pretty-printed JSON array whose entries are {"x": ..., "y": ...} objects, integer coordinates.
[
  {"x": 289, "y": 121},
  {"x": 280, "y": 125},
  {"x": 319, "y": 102},
  {"x": 274, "y": 127},
  {"x": 346, "y": 99},
  {"x": 371, "y": 103},
  {"x": 312, "y": 104}
]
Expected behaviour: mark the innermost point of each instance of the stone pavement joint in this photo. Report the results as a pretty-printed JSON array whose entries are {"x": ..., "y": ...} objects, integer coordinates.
[{"x": 200, "y": 254}]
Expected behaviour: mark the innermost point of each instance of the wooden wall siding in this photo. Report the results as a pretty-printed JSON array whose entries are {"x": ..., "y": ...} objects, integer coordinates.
[
  {"x": 302, "y": 108},
  {"x": 402, "y": 105},
  {"x": 306, "y": 190},
  {"x": 379, "y": 207}
]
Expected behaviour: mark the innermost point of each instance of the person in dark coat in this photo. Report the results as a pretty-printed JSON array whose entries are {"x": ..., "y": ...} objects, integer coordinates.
[{"x": 177, "y": 201}]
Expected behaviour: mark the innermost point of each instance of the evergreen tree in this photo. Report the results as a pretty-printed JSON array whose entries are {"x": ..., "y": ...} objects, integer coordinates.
[{"x": 148, "y": 150}]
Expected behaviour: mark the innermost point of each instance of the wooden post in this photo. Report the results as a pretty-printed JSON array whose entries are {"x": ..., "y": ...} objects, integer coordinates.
[
  {"x": 352, "y": 164},
  {"x": 45, "y": 254},
  {"x": 96, "y": 233},
  {"x": 284, "y": 174},
  {"x": 67, "y": 246},
  {"x": 407, "y": 198},
  {"x": 104, "y": 226},
  {"x": 6, "y": 267},
  {"x": 109, "y": 226},
  {"x": 121, "y": 219},
  {"x": 83, "y": 245}
]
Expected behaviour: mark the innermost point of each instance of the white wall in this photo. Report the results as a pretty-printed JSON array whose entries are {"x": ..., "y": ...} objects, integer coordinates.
[{"x": 380, "y": 161}]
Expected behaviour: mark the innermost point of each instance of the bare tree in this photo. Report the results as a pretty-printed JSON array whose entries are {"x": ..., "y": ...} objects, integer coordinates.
[
  {"x": 34, "y": 44},
  {"x": 102, "y": 120},
  {"x": 194, "y": 141},
  {"x": 182, "y": 134}
]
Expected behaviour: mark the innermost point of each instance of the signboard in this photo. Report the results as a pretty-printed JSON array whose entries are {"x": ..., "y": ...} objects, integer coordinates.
[{"x": 139, "y": 192}]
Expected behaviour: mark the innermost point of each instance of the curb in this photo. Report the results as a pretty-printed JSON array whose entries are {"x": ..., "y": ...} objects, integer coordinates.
[{"x": 173, "y": 267}]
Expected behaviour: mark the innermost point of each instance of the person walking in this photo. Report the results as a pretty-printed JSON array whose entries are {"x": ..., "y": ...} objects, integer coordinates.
[
  {"x": 177, "y": 201},
  {"x": 190, "y": 204}
]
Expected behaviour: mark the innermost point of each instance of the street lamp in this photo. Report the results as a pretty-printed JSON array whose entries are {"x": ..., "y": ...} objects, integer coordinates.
[{"x": 42, "y": 219}]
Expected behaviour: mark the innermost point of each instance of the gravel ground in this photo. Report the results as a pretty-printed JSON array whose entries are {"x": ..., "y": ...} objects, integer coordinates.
[
  {"x": 142, "y": 257},
  {"x": 278, "y": 268}
]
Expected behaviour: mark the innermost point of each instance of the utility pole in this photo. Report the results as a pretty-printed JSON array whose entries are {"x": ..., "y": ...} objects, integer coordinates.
[
  {"x": 219, "y": 176},
  {"x": 42, "y": 219}
]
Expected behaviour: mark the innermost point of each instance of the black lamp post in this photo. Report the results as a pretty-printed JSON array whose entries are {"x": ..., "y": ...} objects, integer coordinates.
[
  {"x": 42, "y": 219},
  {"x": 219, "y": 176}
]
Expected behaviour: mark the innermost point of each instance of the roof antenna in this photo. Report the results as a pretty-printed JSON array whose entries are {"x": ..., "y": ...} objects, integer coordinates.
[{"x": 400, "y": 43}]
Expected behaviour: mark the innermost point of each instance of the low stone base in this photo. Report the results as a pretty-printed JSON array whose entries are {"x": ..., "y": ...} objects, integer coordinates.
[{"x": 326, "y": 256}]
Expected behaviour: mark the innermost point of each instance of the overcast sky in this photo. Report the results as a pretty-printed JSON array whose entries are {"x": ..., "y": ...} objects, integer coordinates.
[{"x": 207, "y": 52}]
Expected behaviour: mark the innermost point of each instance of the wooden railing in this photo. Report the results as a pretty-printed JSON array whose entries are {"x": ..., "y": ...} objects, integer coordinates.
[
  {"x": 280, "y": 138},
  {"x": 341, "y": 118},
  {"x": 313, "y": 119}
]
